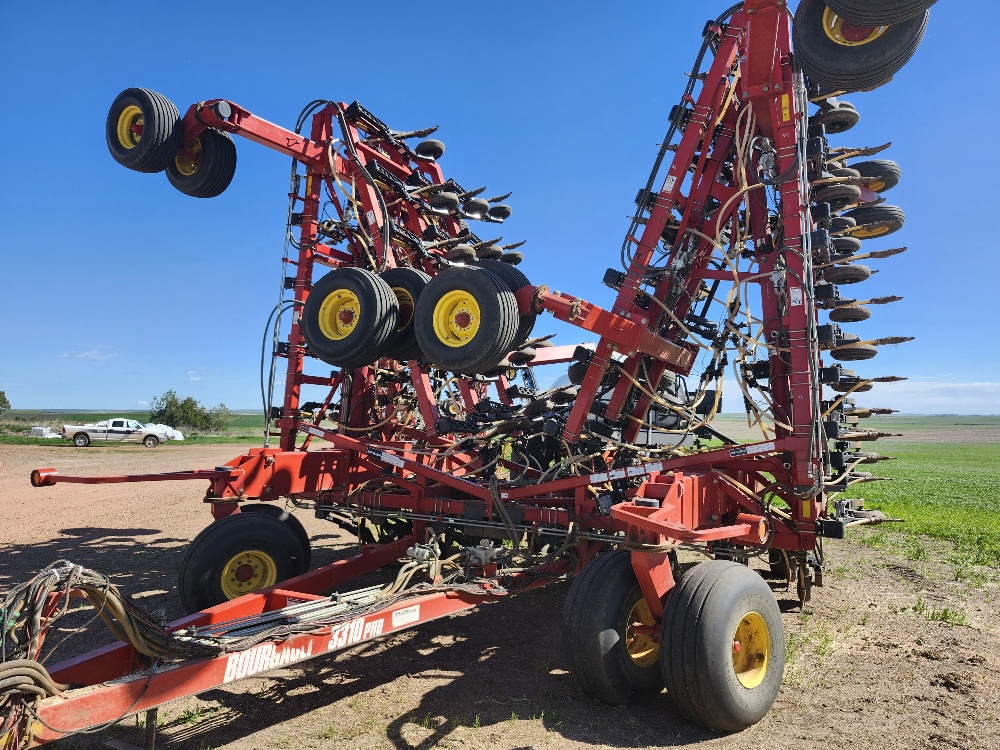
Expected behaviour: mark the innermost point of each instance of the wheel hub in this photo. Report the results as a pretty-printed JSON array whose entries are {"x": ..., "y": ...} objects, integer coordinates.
[
  {"x": 130, "y": 124},
  {"x": 643, "y": 650},
  {"x": 848, "y": 34},
  {"x": 456, "y": 318},
  {"x": 248, "y": 571},
  {"x": 339, "y": 313},
  {"x": 751, "y": 650}
]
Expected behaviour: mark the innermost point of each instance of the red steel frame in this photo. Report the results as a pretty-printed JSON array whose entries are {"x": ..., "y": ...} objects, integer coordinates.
[{"x": 705, "y": 497}]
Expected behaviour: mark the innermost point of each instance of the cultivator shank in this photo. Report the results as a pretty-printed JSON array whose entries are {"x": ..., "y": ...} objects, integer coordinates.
[{"x": 431, "y": 439}]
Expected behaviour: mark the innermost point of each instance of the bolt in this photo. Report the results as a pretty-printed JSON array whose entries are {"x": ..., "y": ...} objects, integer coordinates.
[{"x": 644, "y": 321}]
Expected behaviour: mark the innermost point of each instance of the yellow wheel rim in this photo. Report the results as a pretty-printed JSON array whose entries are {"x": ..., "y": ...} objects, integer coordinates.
[
  {"x": 339, "y": 313},
  {"x": 641, "y": 646},
  {"x": 248, "y": 571},
  {"x": 847, "y": 34},
  {"x": 130, "y": 126},
  {"x": 751, "y": 650},
  {"x": 187, "y": 163},
  {"x": 875, "y": 186},
  {"x": 405, "y": 307},
  {"x": 863, "y": 234},
  {"x": 456, "y": 318}
]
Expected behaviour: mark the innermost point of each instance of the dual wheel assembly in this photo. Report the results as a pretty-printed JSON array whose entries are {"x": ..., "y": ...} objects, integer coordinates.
[
  {"x": 144, "y": 133},
  {"x": 719, "y": 649},
  {"x": 464, "y": 319}
]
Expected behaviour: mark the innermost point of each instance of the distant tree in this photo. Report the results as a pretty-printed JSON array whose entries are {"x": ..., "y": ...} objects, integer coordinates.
[
  {"x": 170, "y": 409},
  {"x": 5, "y": 404}
]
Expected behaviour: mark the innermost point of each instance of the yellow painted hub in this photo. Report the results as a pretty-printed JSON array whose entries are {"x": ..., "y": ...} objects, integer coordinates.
[
  {"x": 405, "y": 307},
  {"x": 130, "y": 124},
  {"x": 863, "y": 234},
  {"x": 248, "y": 571},
  {"x": 751, "y": 650},
  {"x": 456, "y": 318},
  {"x": 641, "y": 646},
  {"x": 339, "y": 313},
  {"x": 875, "y": 186},
  {"x": 847, "y": 34},
  {"x": 187, "y": 163}
]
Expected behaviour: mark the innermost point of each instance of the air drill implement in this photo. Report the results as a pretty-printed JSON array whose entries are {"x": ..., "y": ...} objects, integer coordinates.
[{"x": 432, "y": 441}]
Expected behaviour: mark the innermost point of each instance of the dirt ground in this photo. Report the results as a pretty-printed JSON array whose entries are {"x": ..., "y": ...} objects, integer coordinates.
[{"x": 890, "y": 652}]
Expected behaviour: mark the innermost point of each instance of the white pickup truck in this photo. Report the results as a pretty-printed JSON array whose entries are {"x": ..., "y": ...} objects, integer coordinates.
[{"x": 114, "y": 430}]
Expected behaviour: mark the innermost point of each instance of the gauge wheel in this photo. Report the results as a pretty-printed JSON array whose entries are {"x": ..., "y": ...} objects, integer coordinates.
[
  {"x": 276, "y": 511},
  {"x": 237, "y": 555},
  {"x": 150, "y": 441},
  {"x": 205, "y": 167},
  {"x": 838, "y": 196},
  {"x": 466, "y": 320},
  {"x": 722, "y": 646},
  {"x": 607, "y": 633},
  {"x": 143, "y": 130},
  {"x": 885, "y": 172},
  {"x": 349, "y": 318},
  {"x": 81, "y": 440},
  {"x": 847, "y": 57},
  {"x": 888, "y": 219},
  {"x": 854, "y": 352},
  {"x": 407, "y": 285},
  {"x": 851, "y": 274}
]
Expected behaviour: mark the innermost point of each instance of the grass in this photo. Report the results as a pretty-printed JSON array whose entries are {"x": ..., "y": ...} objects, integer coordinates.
[
  {"x": 947, "y": 615},
  {"x": 948, "y": 491}
]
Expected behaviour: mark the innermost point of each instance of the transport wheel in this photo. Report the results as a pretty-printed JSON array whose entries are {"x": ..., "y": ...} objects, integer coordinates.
[
  {"x": 206, "y": 167},
  {"x": 846, "y": 57},
  {"x": 81, "y": 440},
  {"x": 885, "y": 171},
  {"x": 606, "y": 633},
  {"x": 877, "y": 13},
  {"x": 466, "y": 320},
  {"x": 515, "y": 280},
  {"x": 274, "y": 510},
  {"x": 851, "y": 314},
  {"x": 143, "y": 130},
  {"x": 722, "y": 648},
  {"x": 150, "y": 441},
  {"x": 838, "y": 196},
  {"x": 236, "y": 555},
  {"x": 837, "y": 119},
  {"x": 893, "y": 217},
  {"x": 854, "y": 353},
  {"x": 349, "y": 317},
  {"x": 846, "y": 274},
  {"x": 406, "y": 285}
]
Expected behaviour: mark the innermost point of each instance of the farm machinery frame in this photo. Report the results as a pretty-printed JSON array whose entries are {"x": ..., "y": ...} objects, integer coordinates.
[{"x": 438, "y": 447}]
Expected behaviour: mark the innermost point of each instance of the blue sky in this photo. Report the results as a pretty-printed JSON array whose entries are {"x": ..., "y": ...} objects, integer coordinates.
[{"x": 117, "y": 287}]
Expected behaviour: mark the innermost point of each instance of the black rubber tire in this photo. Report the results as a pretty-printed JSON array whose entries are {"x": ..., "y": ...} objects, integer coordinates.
[
  {"x": 595, "y": 623},
  {"x": 273, "y": 510},
  {"x": 854, "y": 68},
  {"x": 892, "y": 214},
  {"x": 577, "y": 372},
  {"x": 375, "y": 323},
  {"x": 81, "y": 440},
  {"x": 839, "y": 223},
  {"x": 854, "y": 353},
  {"x": 150, "y": 441},
  {"x": 513, "y": 257},
  {"x": 490, "y": 252},
  {"x": 885, "y": 170},
  {"x": 851, "y": 274},
  {"x": 846, "y": 245},
  {"x": 850, "y": 314},
  {"x": 777, "y": 565},
  {"x": 214, "y": 166},
  {"x": 161, "y": 131},
  {"x": 696, "y": 646},
  {"x": 200, "y": 580},
  {"x": 845, "y": 172},
  {"x": 838, "y": 196},
  {"x": 407, "y": 285},
  {"x": 431, "y": 149},
  {"x": 836, "y": 119},
  {"x": 475, "y": 208},
  {"x": 515, "y": 280},
  {"x": 497, "y": 327},
  {"x": 883, "y": 12},
  {"x": 462, "y": 253},
  {"x": 445, "y": 201},
  {"x": 841, "y": 388},
  {"x": 500, "y": 211}
]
